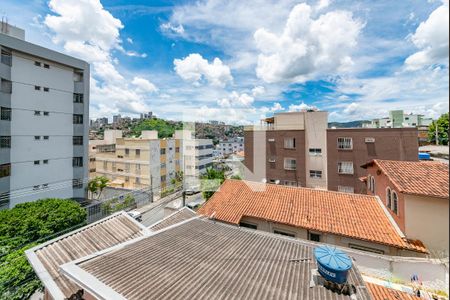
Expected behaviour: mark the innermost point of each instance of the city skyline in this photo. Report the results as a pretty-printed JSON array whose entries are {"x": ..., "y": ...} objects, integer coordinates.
[{"x": 242, "y": 61}]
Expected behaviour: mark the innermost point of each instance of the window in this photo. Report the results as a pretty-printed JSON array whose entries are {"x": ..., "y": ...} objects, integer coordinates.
[
  {"x": 289, "y": 143},
  {"x": 6, "y": 57},
  {"x": 45, "y": 161},
  {"x": 283, "y": 233},
  {"x": 315, "y": 151},
  {"x": 46, "y": 89},
  {"x": 138, "y": 152},
  {"x": 290, "y": 164},
  {"x": 77, "y": 183},
  {"x": 248, "y": 225},
  {"x": 5, "y": 170},
  {"x": 127, "y": 151},
  {"x": 77, "y": 119},
  {"x": 37, "y": 64},
  {"x": 290, "y": 183},
  {"x": 105, "y": 165},
  {"x": 345, "y": 143},
  {"x": 314, "y": 237},
  {"x": 6, "y": 86},
  {"x": 388, "y": 198},
  {"x": 77, "y": 161},
  {"x": 345, "y": 167},
  {"x": 37, "y": 87},
  {"x": 78, "y": 98},
  {"x": 45, "y": 186},
  {"x": 37, "y": 162},
  {"x": 46, "y": 137},
  {"x": 5, "y": 113},
  {"x": 78, "y": 140},
  {"x": 137, "y": 180},
  {"x": 5, "y": 142},
  {"x": 346, "y": 189},
  {"x": 372, "y": 184},
  {"x": 315, "y": 174},
  {"x": 394, "y": 202},
  {"x": 177, "y": 149},
  {"x": 163, "y": 166},
  {"x": 162, "y": 151},
  {"x": 47, "y": 66},
  {"x": 36, "y": 187},
  {"x": 37, "y": 137},
  {"x": 46, "y": 113},
  {"x": 364, "y": 248},
  {"x": 37, "y": 112},
  {"x": 369, "y": 182},
  {"x": 163, "y": 178}
]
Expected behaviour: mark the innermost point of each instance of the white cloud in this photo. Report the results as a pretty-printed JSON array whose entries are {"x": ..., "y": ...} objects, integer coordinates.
[
  {"x": 170, "y": 28},
  {"x": 431, "y": 37},
  {"x": 307, "y": 47},
  {"x": 321, "y": 4},
  {"x": 130, "y": 40},
  {"x": 300, "y": 107},
  {"x": 144, "y": 85},
  {"x": 194, "y": 68},
  {"x": 236, "y": 100},
  {"x": 258, "y": 91},
  {"x": 276, "y": 107},
  {"x": 88, "y": 31}
]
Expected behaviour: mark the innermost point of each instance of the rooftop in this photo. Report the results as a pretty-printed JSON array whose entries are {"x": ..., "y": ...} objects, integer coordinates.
[
  {"x": 352, "y": 215},
  {"x": 416, "y": 177},
  {"x": 48, "y": 257},
  {"x": 203, "y": 259},
  {"x": 380, "y": 292},
  {"x": 180, "y": 215}
]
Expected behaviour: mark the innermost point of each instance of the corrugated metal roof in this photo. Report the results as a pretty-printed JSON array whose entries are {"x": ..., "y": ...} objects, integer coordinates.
[
  {"x": 182, "y": 214},
  {"x": 353, "y": 215},
  {"x": 202, "y": 259},
  {"x": 47, "y": 258}
]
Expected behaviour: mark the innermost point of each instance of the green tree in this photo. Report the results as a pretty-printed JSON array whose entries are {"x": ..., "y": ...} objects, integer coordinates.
[
  {"x": 165, "y": 128},
  {"x": 442, "y": 126},
  {"x": 117, "y": 204},
  {"x": 211, "y": 181},
  {"x": 97, "y": 185},
  {"x": 25, "y": 226}
]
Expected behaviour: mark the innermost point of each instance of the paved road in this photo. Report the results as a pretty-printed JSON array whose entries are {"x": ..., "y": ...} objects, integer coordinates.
[{"x": 154, "y": 212}]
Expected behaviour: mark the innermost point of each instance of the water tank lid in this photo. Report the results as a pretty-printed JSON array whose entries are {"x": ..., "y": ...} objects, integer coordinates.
[
  {"x": 424, "y": 155},
  {"x": 333, "y": 258}
]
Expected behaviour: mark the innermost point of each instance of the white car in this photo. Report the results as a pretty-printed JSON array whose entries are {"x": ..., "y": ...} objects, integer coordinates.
[{"x": 135, "y": 215}]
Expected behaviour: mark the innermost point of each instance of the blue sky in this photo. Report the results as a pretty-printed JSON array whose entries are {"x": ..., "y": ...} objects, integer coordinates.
[{"x": 238, "y": 61}]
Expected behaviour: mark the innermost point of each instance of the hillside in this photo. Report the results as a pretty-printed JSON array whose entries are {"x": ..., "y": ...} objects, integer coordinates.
[{"x": 352, "y": 124}]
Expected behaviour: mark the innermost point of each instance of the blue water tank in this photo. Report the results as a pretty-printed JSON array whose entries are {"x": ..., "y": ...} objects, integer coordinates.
[
  {"x": 424, "y": 156},
  {"x": 333, "y": 264}
]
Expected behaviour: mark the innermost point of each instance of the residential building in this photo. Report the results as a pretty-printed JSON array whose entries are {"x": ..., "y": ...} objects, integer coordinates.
[
  {"x": 116, "y": 119},
  {"x": 109, "y": 138},
  {"x": 398, "y": 119},
  {"x": 300, "y": 150},
  {"x": 416, "y": 194},
  {"x": 347, "y": 220},
  {"x": 44, "y": 103},
  {"x": 139, "y": 162},
  {"x": 145, "y": 116},
  {"x": 230, "y": 146},
  {"x": 221, "y": 261}
]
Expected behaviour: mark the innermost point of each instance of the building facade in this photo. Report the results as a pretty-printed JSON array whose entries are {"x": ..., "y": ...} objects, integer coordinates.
[
  {"x": 44, "y": 102},
  {"x": 302, "y": 151},
  {"x": 230, "y": 146},
  {"x": 398, "y": 119}
]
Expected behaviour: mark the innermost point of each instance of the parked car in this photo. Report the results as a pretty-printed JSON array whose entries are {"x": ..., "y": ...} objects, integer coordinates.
[
  {"x": 135, "y": 215},
  {"x": 192, "y": 190},
  {"x": 195, "y": 204}
]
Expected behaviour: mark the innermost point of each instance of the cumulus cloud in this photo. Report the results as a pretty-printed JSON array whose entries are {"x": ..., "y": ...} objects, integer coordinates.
[
  {"x": 170, "y": 28},
  {"x": 301, "y": 107},
  {"x": 258, "y": 91},
  {"x": 307, "y": 47},
  {"x": 431, "y": 37},
  {"x": 88, "y": 31},
  {"x": 236, "y": 100},
  {"x": 194, "y": 68},
  {"x": 276, "y": 107}
]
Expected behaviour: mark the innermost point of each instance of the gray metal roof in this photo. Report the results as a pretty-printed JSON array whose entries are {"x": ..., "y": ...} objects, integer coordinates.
[
  {"x": 202, "y": 259},
  {"x": 182, "y": 214},
  {"x": 48, "y": 257}
]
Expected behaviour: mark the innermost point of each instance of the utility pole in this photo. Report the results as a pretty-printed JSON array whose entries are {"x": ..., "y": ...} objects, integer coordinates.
[{"x": 437, "y": 133}]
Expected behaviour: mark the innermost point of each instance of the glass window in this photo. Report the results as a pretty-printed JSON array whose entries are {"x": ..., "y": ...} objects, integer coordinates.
[
  {"x": 394, "y": 203},
  {"x": 315, "y": 174},
  {"x": 346, "y": 189},
  {"x": 315, "y": 151},
  {"x": 46, "y": 89},
  {"x": 37, "y": 64},
  {"x": 289, "y": 143},
  {"x": 345, "y": 143},
  {"x": 78, "y": 140},
  {"x": 77, "y": 183},
  {"x": 314, "y": 237},
  {"x": 138, "y": 152},
  {"x": 5, "y": 141},
  {"x": 248, "y": 225},
  {"x": 77, "y": 161},
  {"x": 162, "y": 151},
  {"x": 127, "y": 151},
  {"x": 78, "y": 98},
  {"x": 5, "y": 113},
  {"x": 47, "y": 66},
  {"x": 388, "y": 198},
  {"x": 45, "y": 161},
  {"x": 46, "y": 113},
  {"x": 77, "y": 119},
  {"x": 37, "y": 112},
  {"x": 5, "y": 170},
  {"x": 345, "y": 167},
  {"x": 290, "y": 164}
]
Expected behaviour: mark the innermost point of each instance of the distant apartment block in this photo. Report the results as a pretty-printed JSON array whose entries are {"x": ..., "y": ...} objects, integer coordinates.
[
  {"x": 398, "y": 119},
  {"x": 302, "y": 151},
  {"x": 44, "y": 103},
  {"x": 147, "y": 161},
  {"x": 230, "y": 146},
  {"x": 416, "y": 196}
]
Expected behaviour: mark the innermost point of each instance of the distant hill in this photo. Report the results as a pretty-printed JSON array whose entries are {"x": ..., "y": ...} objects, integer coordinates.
[{"x": 351, "y": 124}]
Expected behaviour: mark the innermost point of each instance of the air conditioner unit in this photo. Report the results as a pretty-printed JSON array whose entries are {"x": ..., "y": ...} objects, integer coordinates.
[
  {"x": 272, "y": 160},
  {"x": 370, "y": 140},
  {"x": 271, "y": 140}
]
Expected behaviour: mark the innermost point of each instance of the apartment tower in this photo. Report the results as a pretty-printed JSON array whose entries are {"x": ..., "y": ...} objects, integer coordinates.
[{"x": 44, "y": 103}]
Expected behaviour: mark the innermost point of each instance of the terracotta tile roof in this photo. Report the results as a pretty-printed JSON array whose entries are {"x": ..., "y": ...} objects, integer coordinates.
[
  {"x": 352, "y": 215},
  {"x": 416, "y": 177},
  {"x": 383, "y": 293},
  {"x": 47, "y": 258}
]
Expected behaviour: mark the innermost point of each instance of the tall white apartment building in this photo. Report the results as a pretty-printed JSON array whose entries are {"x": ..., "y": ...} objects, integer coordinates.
[{"x": 44, "y": 105}]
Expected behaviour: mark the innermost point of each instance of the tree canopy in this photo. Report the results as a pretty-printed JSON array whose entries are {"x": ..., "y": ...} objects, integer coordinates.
[
  {"x": 165, "y": 128},
  {"x": 25, "y": 226},
  {"x": 443, "y": 126},
  {"x": 211, "y": 181}
]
